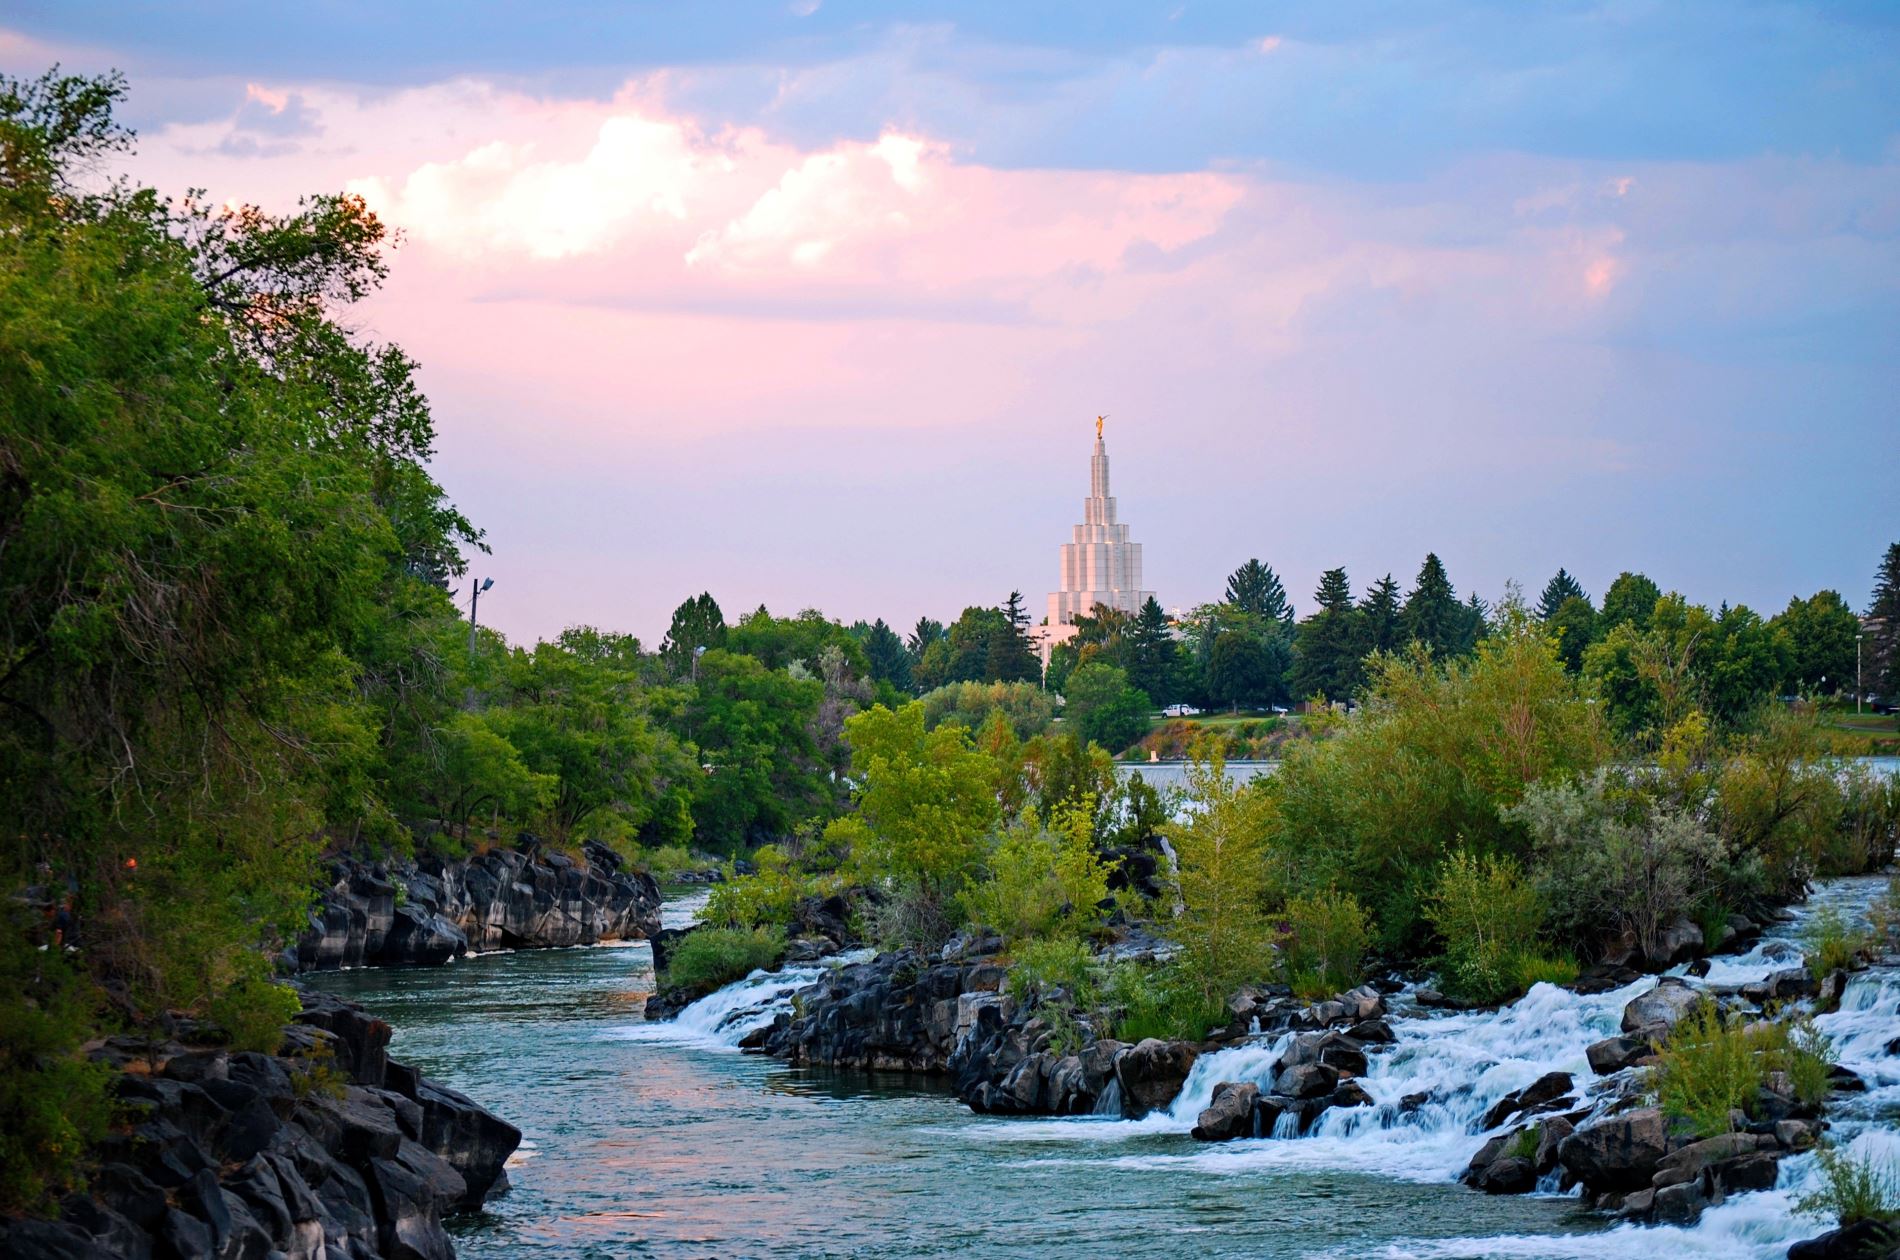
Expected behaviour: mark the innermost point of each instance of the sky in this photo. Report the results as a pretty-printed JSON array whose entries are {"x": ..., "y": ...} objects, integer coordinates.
[{"x": 813, "y": 304}]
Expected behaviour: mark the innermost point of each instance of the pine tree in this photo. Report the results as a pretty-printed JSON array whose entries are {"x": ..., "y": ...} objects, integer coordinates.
[
  {"x": 1432, "y": 614},
  {"x": 928, "y": 630},
  {"x": 885, "y": 652},
  {"x": 1255, "y": 588},
  {"x": 1327, "y": 650},
  {"x": 1556, "y": 591},
  {"x": 1009, "y": 655},
  {"x": 697, "y": 623},
  {"x": 1381, "y": 626},
  {"x": 1152, "y": 654},
  {"x": 1630, "y": 600},
  {"x": 1883, "y": 629}
]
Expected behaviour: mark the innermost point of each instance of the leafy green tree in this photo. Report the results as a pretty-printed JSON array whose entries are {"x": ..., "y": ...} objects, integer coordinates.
[
  {"x": 1560, "y": 588},
  {"x": 1821, "y": 630},
  {"x": 927, "y": 800},
  {"x": 1432, "y": 614},
  {"x": 1883, "y": 629},
  {"x": 697, "y": 624},
  {"x": 1326, "y": 654},
  {"x": 1104, "y": 708},
  {"x": 1061, "y": 665},
  {"x": 1573, "y": 625},
  {"x": 1246, "y": 670},
  {"x": 1027, "y": 708},
  {"x": 1255, "y": 589},
  {"x": 1631, "y": 599},
  {"x": 1745, "y": 665},
  {"x": 1221, "y": 878},
  {"x": 776, "y": 642},
  {"x": 1105, "y": 636},
  {"x": 761, "y": 773}
]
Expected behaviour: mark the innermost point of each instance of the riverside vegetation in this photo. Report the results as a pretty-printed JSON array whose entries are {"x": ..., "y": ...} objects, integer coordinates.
[{"x": 231, "y": 650}]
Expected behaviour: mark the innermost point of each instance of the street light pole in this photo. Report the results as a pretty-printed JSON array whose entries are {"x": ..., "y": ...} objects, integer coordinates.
[
  {"x": 1857, "y": 682},
  {"x": 474, "y": 599}
]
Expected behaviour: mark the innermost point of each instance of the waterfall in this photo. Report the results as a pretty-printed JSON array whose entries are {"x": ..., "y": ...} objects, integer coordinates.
[{"x": 721, "y": 1019}]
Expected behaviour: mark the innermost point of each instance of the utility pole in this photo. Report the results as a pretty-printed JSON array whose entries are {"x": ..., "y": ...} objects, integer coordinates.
[
  {"x": 1857, "y": 682},
  {"x": 474, "y": 598}
]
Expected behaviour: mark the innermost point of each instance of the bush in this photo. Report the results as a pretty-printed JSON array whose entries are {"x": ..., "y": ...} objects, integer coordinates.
[
  {"x": 1488, "y": 916},
  {"x": 1104, "y": 708},
  {"x": 911, "y": 915},
  {"x": 1808, "y": 1057},
  {"x": 1830, "y": 944},
  {"x": 1041, "y": 881},
  {"x": 1043, "y": 967},
  {"x": 1853, "y": 1188},
  {"x": 1145, "y": 1000},
  {"x": 1026, "y": 707},
  {"x": 1325, "y": 947},
  {"x": 253, "y": 1013},
  {"x": 1528, "y": 969},
  {"x": 668, "y": 861},
  {"x": 53, "y": 1104},
  {"x": 767, "y": 897},
  {"x": 1710, "y": 1068},
  {"x": 708, "y": 958}
]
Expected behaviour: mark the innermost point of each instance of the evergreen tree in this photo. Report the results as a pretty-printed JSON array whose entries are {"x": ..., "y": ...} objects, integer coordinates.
[
  {"x": 1009, "y": 656},
  {"x": 1477, "y": 624},
  {"x": 1153, "y": 654},
  {"x": 1381, "y": 626},
  {"x": 1432, "y": 614},
  {"x": 1631, "y": 600},
  {"x": 1556, "y": 591},
  {"x": 928, "y": 631},
  {"x": 697, "y": 623},
  {"x": 1573, "y": 624},
  {"x": 1255, "y": 588},
  {"x": 884, "y": 652},
  {"x": 1326, "y": 653},
  {"x": 1882, "y": 664}
]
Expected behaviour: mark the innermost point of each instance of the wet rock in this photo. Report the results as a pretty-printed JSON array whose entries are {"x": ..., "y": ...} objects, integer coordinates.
[
  {"x": 1679, "y": 940},
  {"x": 1306, "y": 1080},
  {"x": 1546, "y": 1089},
  {"x": 1229, "y": 1114},
  {"x": 1619, "y": 1152},
  {"x": 1654, "y": 1013},
  {"x": 1372, "y": 1031},
  {"x": 1511, "y": 1175},
  {"x": 1152, "y": 1072},
  {"x": 1863, "y": 1240}
]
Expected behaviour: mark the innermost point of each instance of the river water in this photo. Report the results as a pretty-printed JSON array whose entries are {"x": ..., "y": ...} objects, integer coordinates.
[{"x": 662, "y": 1140}]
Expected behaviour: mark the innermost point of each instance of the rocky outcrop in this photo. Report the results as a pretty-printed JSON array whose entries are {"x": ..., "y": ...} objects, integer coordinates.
[
  {"x": 898, "y": 1012},
  {"x": 329, "y": 1149},
  {"x": 429, "y": 910}
]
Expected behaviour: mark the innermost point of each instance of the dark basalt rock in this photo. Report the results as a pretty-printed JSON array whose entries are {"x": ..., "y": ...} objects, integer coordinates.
[
  {"x": 429, "y": 910},
  {"x": 329, "y": 1149}
]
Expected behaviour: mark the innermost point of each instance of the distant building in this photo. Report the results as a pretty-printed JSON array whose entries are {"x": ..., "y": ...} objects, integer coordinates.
[{"x": 1100, "y": 567}]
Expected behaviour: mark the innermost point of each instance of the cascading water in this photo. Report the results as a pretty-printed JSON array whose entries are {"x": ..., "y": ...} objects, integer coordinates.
[{"x": 720, "y": 1020}]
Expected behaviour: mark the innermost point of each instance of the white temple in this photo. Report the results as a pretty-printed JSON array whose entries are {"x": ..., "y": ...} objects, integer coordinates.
[{"x": 1100, "y": 567}]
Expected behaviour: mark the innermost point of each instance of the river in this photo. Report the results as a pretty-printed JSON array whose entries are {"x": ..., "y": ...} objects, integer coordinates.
[{"x": 662, "y": 1140}]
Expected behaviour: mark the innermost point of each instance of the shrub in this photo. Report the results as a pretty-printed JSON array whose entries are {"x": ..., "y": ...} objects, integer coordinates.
[
  {"x": 1528, "y": 969},
  {"x": 769, "y": 896},
  {"x": 1488, "y": 916},
  {"x": 910, "y": 915},
  {"x": 1809, "y": 1056},
  {"x": 1104, "y": 708},
  {"x": 1830, "y": 944},
  {"x": 668, "y": 861},
  {"x": 1325, "y": 947},
  {"x": 1043, "y": 967},
  {"x": 1026, "y": 707},
  {"x": 253, "y": 1013},
  {"x": 1145, "y": 1000},
  {"x": 707, "y": 958},
  {"x": 53, "y": 1104},
  {"x": 1854, "y": 1188},
  {"x": 1041, "y": 881},
  {"x": 1221, "y": 878},
  {"x": 1711, "y": 1067}
]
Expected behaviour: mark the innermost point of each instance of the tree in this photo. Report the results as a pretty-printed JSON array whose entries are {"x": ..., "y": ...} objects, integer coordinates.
[
  {"x": 1104, "y": 708},
  {"x": 927, "y": 801},
  {"x": 753, "y": 729},
  {"x": 1255, "y": 589},
  {"x": 1573, "y": 626},
  {"x": 926, "y": 632},
  {"x": 1026, "y": 707},
  {"x": 1882, "y": 665},
  {"x": 1556, "y": 591},
  {"x": 697, "y": 623},
  {"x": 884, "y": 653},
  {"x": 1154, "y": 658},
  {"x": 1010, "y": 656},
  {"x": 1326, "y": 653},
  {"x": 1432, "y": 614},
  {"x": 1821, "y": 630},
  {"x": 1745, "y": 665},
  {"x": 1221, "y": 877},
  {"x": 1381, "y": 626},
  {"x": 1631, "y": 600},
  {"x": 1476, "y": 624},
  {"x": 1240, "y": 672}
]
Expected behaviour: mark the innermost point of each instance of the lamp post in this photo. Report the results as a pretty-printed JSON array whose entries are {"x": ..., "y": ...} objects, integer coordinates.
[
  {"x": 697, "y": 653},
  {"x": 1857, "y": 683},
  {"x": 474, "y": 598}
]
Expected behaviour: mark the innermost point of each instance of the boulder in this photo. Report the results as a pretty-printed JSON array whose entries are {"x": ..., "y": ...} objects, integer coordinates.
[
  {"x": 1306, "y": 1080},
  {"x": 1152, "y": 1072},
  {"x": 1613, "y": 1054},
  {"x": 1229, "y": 1114},
  {"x": 1863, "y": 1240},
  {"x": 1679, "y": 940},
  {"x": 1620, "y": 1152},
  {"x": 1654, "y": 1013},
  {"x": 1512, "y": 1174}
]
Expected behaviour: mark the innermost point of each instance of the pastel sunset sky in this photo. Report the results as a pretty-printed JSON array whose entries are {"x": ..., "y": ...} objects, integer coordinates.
[{"x": 813, "y": 304}]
